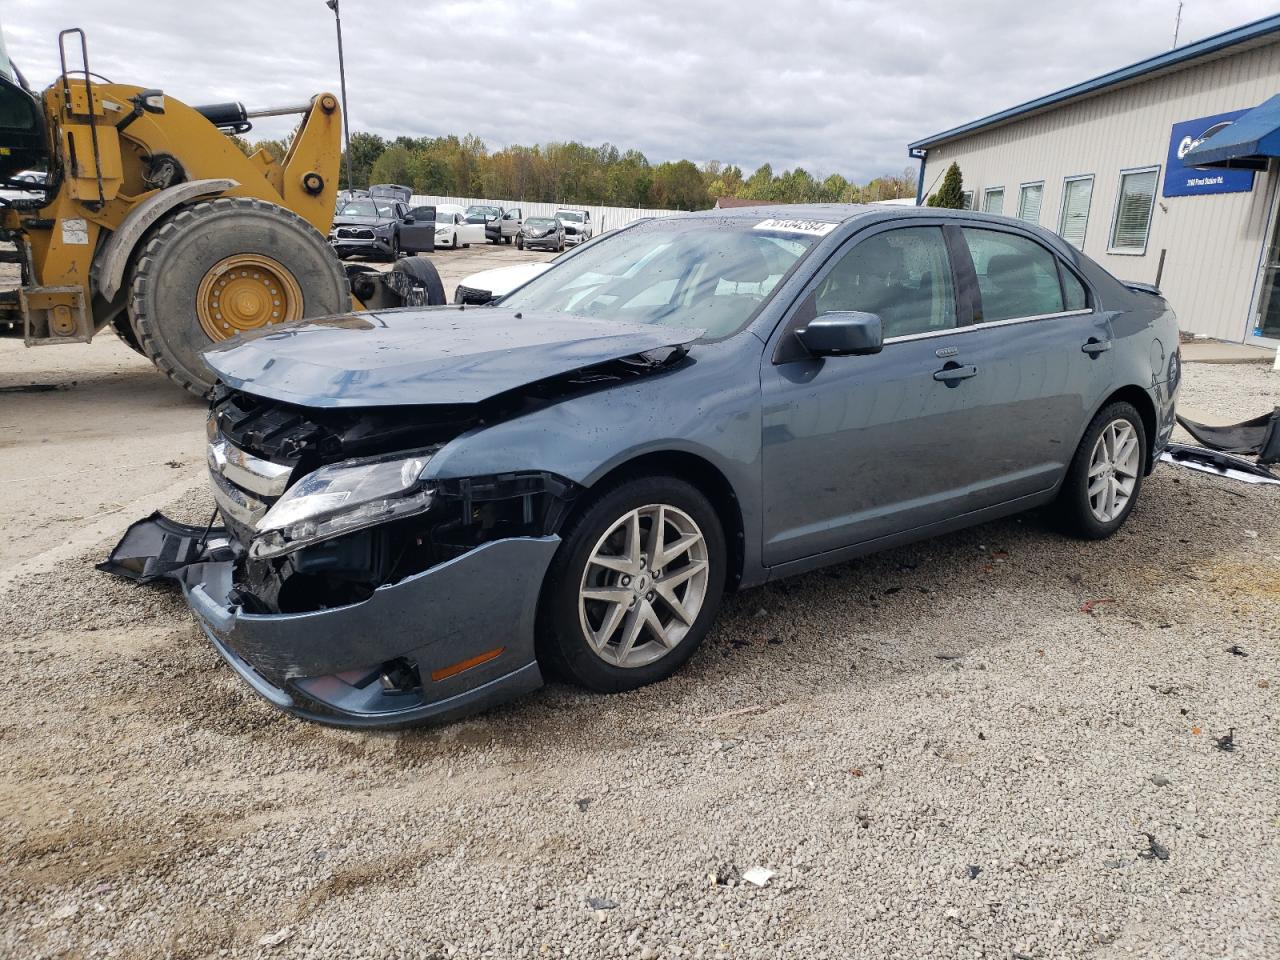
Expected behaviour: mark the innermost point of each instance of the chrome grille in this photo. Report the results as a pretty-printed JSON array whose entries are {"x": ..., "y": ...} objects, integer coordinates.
[
  {"x": 244, "y": 486},
  {"x": 350, "y": 233}
]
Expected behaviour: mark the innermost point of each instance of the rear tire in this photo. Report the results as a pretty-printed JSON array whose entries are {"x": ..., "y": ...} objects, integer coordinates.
[
  {"x": 565, "y": 614},
  {"x": 183, "y": 252},
  {"x": 1106, "y": 474}
]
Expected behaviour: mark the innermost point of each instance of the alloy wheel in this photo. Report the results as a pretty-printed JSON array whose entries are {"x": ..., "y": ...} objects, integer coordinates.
[
  {"x": 1113, "y": 470},
  {"x": 644, "y": 585}
]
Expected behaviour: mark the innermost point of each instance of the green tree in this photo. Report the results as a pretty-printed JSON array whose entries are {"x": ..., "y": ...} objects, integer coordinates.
[
  {"x": 365, "y": 149},
  {"x": 679, "y": 186},
  {"x": 951, "y": 195},
  {"x": 759, "y": 185},
  {"x": 392, "y": 166}
]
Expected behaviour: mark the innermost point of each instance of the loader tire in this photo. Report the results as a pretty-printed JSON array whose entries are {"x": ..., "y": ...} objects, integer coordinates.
[
  {"x": 224, "y": 267},
  {"x": 123, "y": 327}
]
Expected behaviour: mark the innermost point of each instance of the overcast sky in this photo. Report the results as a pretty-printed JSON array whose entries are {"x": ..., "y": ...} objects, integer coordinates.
[{"x": 831, "y": 85}]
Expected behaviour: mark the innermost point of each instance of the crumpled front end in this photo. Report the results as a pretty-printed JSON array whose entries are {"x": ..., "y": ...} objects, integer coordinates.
[
  {"x": 442, "y": 643},
  {"x": 412, "y": 616}
]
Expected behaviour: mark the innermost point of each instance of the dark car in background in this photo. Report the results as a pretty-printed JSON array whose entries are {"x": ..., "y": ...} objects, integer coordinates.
[
  {"x": 380, "y": 227},
  {"x": 428, "y": 509},
  {"x": 541, "y": 233}
]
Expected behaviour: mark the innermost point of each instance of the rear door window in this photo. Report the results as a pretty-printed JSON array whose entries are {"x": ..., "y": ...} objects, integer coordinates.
[{"x": 1016, "y": 276}]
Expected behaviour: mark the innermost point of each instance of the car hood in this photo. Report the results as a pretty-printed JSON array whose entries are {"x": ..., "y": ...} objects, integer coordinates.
[{"x": 444, "y": 355}]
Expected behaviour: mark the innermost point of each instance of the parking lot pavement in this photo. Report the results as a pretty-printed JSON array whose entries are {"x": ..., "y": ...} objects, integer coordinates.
[
  {"x": 110, "y": 437},
  {"x": 1001, "y": 743}
]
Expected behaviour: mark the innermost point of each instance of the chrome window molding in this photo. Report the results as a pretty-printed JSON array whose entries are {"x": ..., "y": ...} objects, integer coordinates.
[{"x": 930, "y": 334}]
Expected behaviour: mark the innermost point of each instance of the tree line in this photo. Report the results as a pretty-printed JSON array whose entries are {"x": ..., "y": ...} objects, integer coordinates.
[{"x": 577, "y": 173}]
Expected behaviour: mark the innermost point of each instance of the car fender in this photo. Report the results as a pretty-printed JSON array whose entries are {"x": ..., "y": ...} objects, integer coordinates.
[
  {"x": 113, "y": 259},
  {"x": 705, "y": 408}
]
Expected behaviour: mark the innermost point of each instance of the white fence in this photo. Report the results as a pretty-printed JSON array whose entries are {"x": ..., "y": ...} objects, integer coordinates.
[{"x": 602, "y": 218}]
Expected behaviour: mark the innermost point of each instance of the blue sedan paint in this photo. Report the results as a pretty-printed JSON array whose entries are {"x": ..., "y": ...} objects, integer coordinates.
[
  {"x": 441, "y": 355},
  {"x": 826, "y": 458}
]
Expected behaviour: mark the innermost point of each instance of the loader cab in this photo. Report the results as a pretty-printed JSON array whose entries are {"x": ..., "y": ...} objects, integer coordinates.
[{"x": 23, "y": 138}]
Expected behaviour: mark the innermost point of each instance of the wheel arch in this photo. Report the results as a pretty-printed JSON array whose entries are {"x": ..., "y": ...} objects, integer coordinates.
[
  {"x": 117, "y": 253},
  {"x": 1141, "y": 401},
  {"x": 704, "y": 475}
]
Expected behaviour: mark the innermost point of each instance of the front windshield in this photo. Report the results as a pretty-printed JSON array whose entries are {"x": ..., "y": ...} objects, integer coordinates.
[
  {"x": 698, "y": 273},
  {"x": 570, "y": 216},
  {"x": 539, "y": 222},
  {"x": 366, "y": 208},
  {"x": 482, "y": 211}
]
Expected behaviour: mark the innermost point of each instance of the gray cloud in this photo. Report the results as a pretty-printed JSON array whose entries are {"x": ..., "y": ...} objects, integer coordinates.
[{"x": 831, "y": 85}]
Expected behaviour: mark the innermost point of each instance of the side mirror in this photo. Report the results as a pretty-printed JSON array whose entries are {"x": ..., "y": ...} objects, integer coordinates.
[
  {"x": 843, "y": 333},
  {"x": 408, "y": 220}
]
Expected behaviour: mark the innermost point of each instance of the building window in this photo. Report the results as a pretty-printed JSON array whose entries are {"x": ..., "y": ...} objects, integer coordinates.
[
  {"x": 968, "y": 200},
  {"x": 993, "y": 200},
  {"x": 1029, "y": 198},
  {"x": 1132, "y": 221},
  {"x": 1077, "y": 193}
]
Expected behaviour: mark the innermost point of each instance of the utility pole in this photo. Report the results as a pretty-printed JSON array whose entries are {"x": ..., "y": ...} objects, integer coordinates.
[
  {"x": 342, "y": 79},
  {"x": 1177, "y": 25}
]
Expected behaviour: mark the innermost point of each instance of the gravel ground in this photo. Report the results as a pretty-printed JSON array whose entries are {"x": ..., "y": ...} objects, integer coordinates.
[{"x": 946, "y": 750}]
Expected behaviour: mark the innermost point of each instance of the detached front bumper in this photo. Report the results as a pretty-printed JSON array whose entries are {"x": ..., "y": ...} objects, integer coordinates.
[{"x": 454, "y": 639}]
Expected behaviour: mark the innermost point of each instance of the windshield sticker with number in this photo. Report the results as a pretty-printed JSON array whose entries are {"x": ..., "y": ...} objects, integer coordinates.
[{"x": 816, "y": 228}]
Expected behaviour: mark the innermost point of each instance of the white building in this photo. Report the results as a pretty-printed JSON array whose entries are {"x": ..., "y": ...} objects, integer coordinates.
[{"x": 1105, "y": 163}]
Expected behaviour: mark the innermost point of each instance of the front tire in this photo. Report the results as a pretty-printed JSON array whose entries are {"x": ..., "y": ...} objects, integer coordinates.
[
  {"x": 519, "y": 243},
  {"x": 454, "y": 245},
  {"x": 222, "y": 267},
  {"x": 1106, "y": 473},
  {"x": 635, "y": 585}
]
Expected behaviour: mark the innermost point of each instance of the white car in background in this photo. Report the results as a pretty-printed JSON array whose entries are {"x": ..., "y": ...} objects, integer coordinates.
[
  {"x": 577, "y": 225},
  {"x": 35, "y": 178},
  {"x": 488, "y": 285},
  {"x": 452, "y": 229}
]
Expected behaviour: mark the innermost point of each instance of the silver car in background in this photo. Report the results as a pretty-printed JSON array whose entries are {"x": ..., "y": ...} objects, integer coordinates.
[{"x": 577, "y": 225}]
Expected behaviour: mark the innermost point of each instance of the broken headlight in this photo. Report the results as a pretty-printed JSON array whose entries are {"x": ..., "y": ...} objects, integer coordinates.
[{"x": 341, "y": 498}]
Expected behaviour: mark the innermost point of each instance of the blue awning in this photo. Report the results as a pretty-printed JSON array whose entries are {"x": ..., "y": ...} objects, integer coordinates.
[{"x": 1247, "y": 143}]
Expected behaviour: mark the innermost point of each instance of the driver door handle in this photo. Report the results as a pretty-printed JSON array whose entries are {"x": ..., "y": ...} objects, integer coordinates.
[
  {"x": 953, "y": 374},
  {"x": 1094, "y": 346}
]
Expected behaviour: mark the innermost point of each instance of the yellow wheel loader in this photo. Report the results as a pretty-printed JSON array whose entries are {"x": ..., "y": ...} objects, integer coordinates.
[{"x": 153, "y": 221}]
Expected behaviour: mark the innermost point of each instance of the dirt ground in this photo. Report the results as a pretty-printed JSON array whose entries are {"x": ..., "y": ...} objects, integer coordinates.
[{"x": 954, "y": 749}]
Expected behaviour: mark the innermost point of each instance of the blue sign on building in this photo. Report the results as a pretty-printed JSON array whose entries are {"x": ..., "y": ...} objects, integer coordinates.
[{"x": 1181, "y": 180}]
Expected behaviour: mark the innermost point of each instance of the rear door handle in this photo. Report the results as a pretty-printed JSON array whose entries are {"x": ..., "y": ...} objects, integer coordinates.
[
  {"x": 951, "y": 375},
  {"x": 1094, "y": 347}
]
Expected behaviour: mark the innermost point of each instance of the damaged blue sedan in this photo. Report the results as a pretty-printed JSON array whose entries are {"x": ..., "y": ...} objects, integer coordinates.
[{"x": 424, "y": 511}]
